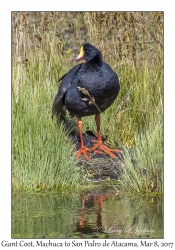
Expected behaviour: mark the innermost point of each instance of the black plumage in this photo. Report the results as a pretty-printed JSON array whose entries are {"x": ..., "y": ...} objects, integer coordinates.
[{"x": 87, "y": 89}]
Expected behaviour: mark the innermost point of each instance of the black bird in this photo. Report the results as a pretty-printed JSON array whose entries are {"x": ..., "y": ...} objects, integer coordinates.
[{"x": 87, "y": 89}]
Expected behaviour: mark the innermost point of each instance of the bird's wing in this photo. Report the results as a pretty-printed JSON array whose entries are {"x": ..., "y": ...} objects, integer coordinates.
[{"x": 65, "y": 84}]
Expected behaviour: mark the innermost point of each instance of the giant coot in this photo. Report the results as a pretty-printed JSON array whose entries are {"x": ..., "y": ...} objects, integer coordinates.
[{"x": 88, "y": 89}]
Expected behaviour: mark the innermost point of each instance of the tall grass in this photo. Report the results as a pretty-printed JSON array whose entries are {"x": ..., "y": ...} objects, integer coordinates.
[
  {"x": 44, "y": 45},
  {"x": 42, "y": 157},
  {"x": 146, "y": 174}
]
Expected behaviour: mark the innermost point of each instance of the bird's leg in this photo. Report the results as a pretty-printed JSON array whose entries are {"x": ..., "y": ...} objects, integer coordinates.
[
  {"x": 83, "y": 150},
  {"x": 99, "y": 143}
]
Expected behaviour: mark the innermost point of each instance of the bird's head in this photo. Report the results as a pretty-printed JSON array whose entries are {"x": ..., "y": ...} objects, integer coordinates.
[{"x": 88, "y": 52}]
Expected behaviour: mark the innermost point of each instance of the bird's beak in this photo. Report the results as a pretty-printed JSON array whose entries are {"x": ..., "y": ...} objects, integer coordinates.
[{"x": 81, "y": 55}]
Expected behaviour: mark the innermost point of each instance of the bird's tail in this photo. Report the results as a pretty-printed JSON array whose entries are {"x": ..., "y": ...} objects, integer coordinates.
[{"x": 59, "y": 110}]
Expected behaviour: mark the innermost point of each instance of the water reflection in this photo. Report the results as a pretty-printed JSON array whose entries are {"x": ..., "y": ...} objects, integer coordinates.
[
  {"x": 95, "y": 215},
  {"x": 89, "y": 203}
]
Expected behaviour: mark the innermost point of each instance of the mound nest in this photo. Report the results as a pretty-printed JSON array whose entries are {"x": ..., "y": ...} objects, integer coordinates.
[{"x": 102, "y": 166}]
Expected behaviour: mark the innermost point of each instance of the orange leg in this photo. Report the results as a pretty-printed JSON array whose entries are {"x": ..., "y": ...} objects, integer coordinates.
[
  {"x": 99, "y": 143},
  {"x": 83, "y": 150}
]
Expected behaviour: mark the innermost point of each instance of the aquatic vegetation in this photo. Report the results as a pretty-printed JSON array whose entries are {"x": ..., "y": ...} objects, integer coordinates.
[{"x": 44, "y": 45}]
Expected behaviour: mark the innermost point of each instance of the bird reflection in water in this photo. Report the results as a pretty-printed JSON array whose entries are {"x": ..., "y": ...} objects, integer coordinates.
[{"x": 88, "y": 203}]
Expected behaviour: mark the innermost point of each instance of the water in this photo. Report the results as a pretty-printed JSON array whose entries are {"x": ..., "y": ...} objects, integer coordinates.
[{"x": 95, "y": 215}]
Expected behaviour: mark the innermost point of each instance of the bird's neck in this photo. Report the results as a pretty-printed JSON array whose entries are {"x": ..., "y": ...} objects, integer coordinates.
[{"x": 98, "y": 59}]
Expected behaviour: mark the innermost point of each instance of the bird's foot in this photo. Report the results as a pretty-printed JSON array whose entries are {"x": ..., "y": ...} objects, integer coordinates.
[
  {"x": 83, "y": 151},
  {"x": 107, "y": 150}
]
